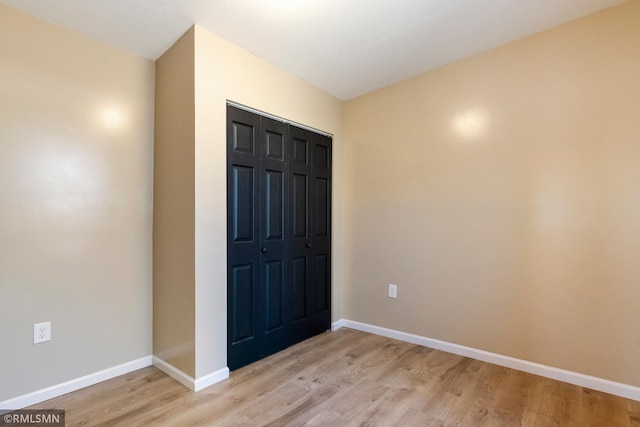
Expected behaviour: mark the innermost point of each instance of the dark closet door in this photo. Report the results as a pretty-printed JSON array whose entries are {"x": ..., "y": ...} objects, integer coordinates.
[
  {"x": 310, "y": 232},
  {"x": 243, "y": 238},
  {"x": 279, "y": 240},
  {"x": 320, "y": 250},
  {"x": 273, "y": 305},
  {"x": 258, "y": 267},
  {"x": 300, "y": 242}
]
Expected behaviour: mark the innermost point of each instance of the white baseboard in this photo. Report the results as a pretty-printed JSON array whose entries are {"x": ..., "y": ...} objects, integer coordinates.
[
  {"x": 187, "y": 380},
  {"x": 337, "y": 325},
  {"x": 606, "y": 386},
  {"x": 57, "y": 390},
  {"x": 211, "y": 379}
]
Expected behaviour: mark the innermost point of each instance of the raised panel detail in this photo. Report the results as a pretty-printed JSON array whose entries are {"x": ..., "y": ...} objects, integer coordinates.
[
  {"x": 274, "y": 209},
  {"x": 321, "y": 277},
  {"x": 243, "y": 138},
  {"x": 322, "y": 207},
  {"x": 322, "y": 156},
  {"x": 274, "y": 285},
  {"x": 274, "y": 146},
  {"x": 300, "y": 151},
  {"x": 242, "y": 300},
  {"x": 299, "y": 285},
  {"x": 242, "y": 203},
  {"x": 299, "y": 204}
]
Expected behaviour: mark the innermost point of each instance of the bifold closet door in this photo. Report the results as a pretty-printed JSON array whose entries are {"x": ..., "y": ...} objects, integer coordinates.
[
  {"x": 321, "y": 235},
  {"x": 257, "y": 261},
  {"x": 274, "y": 255},
  {"x": 278, "y": 240},
  {"x": 243, "y": 241},
  {"x": 310, "y": 243}
]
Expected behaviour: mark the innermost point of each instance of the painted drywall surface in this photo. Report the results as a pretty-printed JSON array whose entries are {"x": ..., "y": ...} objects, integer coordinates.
[
  {"x": 226, "y": 72},
  {"x": 174, "y": 208},
  {"x": 502, "y": 195},
  {"x": 76, "y": 141}
]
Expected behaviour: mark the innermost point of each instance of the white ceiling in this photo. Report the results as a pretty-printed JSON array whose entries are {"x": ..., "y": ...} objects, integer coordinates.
[{"x": 345, "y": 47}]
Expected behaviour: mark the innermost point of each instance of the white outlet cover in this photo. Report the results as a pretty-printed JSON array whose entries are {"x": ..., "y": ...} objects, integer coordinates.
[
  {"x": 393, "y": 291},
  {"x": 41, "y": 332}
]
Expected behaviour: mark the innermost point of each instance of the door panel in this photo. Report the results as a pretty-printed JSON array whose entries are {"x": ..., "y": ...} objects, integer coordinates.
[
  {"x": 322, "y": 155},
  {"x": 299, "y": 233},
  {"x": 243, "y": 138},
  {"x": 321, "y": 235},
  {"x": 243, "y": 260},
  {"x": 275, "y": 284},
  {"x": 274, "y": 201},
  {"x": 242, "y": 204},
  {"x": 322, "y": 208},
  {"x": 274, "y": 144},
  {"x": 299, "y": 300},
  {"x": 321, "y": 291},
  {"x": 299, "y": 204},
  {"x": 242, "y": 291},
  {"x": 300, "y": 150}
]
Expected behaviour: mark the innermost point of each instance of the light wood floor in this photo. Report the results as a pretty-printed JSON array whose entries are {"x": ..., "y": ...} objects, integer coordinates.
[{"x": 345, "y": 378}]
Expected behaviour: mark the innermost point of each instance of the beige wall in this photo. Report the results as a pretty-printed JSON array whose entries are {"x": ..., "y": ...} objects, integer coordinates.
[
  {"x": 174, "y": 208},
  {"x": 76, "y": 135},
  {"x": 215, "y": 70},
  {"x": 502, "y": 195}
]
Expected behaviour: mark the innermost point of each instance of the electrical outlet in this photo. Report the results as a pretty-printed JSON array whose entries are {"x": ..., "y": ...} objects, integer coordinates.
[
  {"x": 393, "y": 291},
  {"x": 41, "y": 332}
]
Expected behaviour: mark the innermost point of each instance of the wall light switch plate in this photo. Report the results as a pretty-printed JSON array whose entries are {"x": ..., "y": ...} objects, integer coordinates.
[
  {"x": 41, "y": 332},
  {"x": 393, "y": 291}
]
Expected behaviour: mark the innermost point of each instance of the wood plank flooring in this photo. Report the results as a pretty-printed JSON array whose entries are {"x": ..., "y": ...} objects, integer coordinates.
[{"x": 346, "y": 378}]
